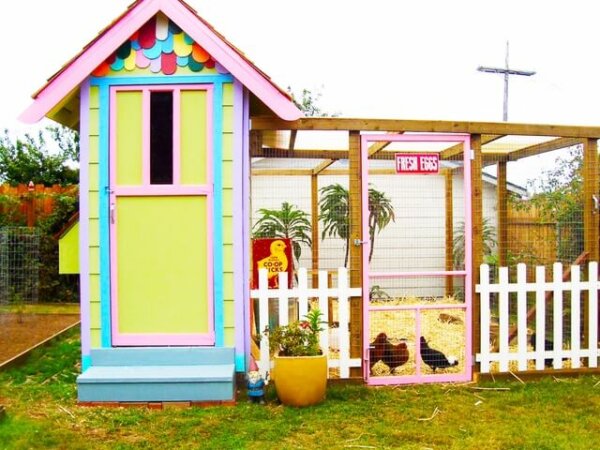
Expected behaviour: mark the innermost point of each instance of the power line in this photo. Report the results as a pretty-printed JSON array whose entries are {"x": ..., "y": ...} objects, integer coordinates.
[{"x": 506, "y": 71}]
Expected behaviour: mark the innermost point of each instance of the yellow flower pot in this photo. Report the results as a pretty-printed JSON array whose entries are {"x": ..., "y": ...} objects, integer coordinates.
[{"x": 300, "y": 380}]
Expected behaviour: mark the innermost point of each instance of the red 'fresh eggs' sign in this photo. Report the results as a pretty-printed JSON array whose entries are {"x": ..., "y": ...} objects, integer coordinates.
[{"x": 417, "y": 163}]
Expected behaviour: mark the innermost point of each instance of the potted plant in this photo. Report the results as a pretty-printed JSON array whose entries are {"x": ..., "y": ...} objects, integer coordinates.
[{"x": 300, "y": 367}]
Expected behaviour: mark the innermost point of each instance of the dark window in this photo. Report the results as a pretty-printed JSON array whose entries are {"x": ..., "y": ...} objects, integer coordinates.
[{"x": 161, "y": 138}]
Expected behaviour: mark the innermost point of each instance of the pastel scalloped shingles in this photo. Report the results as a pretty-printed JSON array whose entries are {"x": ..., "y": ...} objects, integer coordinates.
[
  {"x": 183, "y": 61},
  {"x": 187, "y": 39},
  {"x": 174, "y": 28},
  {"x": 180, "y": 47},
  {"x": 210, "y": 64},
  {"x": 130, "y": 61},
  {"x": 167, "y": 44},
  {"x": 162, "y": 27},
  {"x": 147, "y": 34},
  {"x": 169, "y": 63},
  {"x": 194, "y": 65},
  {"x": 141, "y": 61},
  {"x": 101, "y": 70},
  {"x": 155, "y": 65},
  {"x": 199, "y": 53},
  {"x": 124, "y": 50},
  {"x": 118, "y": 65},
  {"x": 154, "y": 52}
]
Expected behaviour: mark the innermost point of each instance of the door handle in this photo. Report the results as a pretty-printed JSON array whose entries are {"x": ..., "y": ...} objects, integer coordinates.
[{"x": 112, "y": 213}]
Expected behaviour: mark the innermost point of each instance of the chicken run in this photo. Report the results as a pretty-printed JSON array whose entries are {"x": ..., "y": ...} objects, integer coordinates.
[{"x": 418, "y": 263}]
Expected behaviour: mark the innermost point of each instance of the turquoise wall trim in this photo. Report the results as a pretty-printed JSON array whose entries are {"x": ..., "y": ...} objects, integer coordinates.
[
  {"x": 86, "y": 362},
  {"x": 240, "y": 362},
  {"x": 161, "y": 79},
  {"x": 103, "y": 193},
  {"x": 103, "y": 187},
  {"x": 218, "y": 213}
]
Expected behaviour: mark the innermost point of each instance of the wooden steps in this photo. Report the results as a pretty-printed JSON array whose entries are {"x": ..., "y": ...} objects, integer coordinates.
[{"x": 163, "y": 374}]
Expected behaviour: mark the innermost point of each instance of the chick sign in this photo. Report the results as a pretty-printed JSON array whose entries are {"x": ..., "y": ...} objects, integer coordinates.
[{"x": 275, "y": 255}]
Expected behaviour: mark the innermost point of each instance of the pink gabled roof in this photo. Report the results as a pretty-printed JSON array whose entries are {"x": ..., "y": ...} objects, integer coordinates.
[{"x": 61, "y": 84}]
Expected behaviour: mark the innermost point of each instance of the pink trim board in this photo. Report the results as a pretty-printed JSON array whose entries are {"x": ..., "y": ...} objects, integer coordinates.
[
  {"x": 74, "y": 73},
  {"x": 146, "y": 189},
  {"x": 418, "y": 377}
]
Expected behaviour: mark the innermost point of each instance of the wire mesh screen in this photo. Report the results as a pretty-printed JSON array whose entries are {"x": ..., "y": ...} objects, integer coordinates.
[
  {"x": 19, "y": 264},
  {"x": 538, "y": 220}
]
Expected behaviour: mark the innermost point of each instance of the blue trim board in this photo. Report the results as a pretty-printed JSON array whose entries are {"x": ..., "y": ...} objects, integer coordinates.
[
  {"x": 103, "y": 187},
  {"x": 162, "y": 79},
  {"x": 86, "y": 362},
  {"x": 218, "y": 214}
]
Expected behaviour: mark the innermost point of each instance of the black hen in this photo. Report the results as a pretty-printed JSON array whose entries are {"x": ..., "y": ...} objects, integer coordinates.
[
  {"x": 548, "y": 346},
  {"x": 434, "y": 358}
]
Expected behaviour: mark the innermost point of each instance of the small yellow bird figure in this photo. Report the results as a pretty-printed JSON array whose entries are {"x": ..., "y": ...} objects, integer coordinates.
[{"x": 276, "y": 262}]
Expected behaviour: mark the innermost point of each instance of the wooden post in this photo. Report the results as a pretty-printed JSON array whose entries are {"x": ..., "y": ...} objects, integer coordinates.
[
  {"x": 355, "y": 231},
  {"x": 477, "y": 244},
  {"x": 449, "y": 231},
  {"x": 314, "y": 213},
  {"x": 502, "y": 209},
  {"x": 591, "y": 215}
]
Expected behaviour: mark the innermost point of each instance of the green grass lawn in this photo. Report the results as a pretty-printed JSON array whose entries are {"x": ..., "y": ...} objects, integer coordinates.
[
  {"x": 42, "y": 308},
  {"x": 40, "y": 399}
]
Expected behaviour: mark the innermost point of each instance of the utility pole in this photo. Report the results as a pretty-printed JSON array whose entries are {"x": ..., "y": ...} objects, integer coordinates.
[{"x": 506, "y": 71}]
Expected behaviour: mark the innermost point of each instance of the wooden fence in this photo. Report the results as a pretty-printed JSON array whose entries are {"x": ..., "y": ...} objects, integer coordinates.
[
  {"x": 30, "y": 203},
  {"x": 530, "y": 238},
  {"x": 278, "y": 301},
  {"x": 575, "y": 299}
]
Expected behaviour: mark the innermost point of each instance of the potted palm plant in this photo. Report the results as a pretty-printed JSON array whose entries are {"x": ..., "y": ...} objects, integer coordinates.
[{"x": 300, "y": 367}]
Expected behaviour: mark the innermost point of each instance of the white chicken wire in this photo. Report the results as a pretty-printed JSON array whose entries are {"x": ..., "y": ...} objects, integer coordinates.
[{"x": 19, "y": 264}]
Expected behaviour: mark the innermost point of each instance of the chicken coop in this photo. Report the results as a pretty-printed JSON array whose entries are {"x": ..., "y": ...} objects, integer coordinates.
[
  {"x": 413, "y": 212},
  {"x": 189, "y": 153}
]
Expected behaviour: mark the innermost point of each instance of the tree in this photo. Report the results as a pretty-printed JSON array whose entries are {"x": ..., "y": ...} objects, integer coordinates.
[
  {"x": 307, "y": 103},
  {"x": 560, "y": 200},
  {"x": 30, "y": 158},
  {"x": 287, "y": 222},
  {"x": 335, "y": 214}
]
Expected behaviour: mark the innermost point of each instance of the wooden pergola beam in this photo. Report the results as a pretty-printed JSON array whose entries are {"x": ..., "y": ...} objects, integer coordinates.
[
  {"x": 555, "y": 144},
  {"x": 431, "y": 126},
  {"x": 456, "y": 150},
  {"x": 270, "y": 152}
]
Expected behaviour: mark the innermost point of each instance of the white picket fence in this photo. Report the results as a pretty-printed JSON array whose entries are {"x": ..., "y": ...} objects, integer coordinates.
[
  {"x": 301, "y": 294},
  {"x": 540, "y": 287}
]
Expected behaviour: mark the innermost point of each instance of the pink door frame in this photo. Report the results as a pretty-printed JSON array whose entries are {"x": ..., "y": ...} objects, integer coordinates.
[
  {"x": 147, "y": 189},
  {"x": 419, "y": 377}
]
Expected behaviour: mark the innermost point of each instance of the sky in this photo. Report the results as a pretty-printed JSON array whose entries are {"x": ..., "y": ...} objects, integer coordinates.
[{"x": 372, "y": 59}]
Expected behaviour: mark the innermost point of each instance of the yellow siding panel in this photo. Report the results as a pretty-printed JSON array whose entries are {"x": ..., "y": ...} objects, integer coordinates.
[
  {"x": 94, "y": 97},
  {"x": 229, "y": 314},
  {"x": 227, "y": 174},
  {"x": 94, "y": 122},
  {"x": 228, "y": 287},
  {"x": 94, "y": 260},
  {"x": 94, "y": 288},
  {"x": 229, "y": 337},
  {"x": 94, "y": 145},
  {"x": 227, "y": 119},
  {"x": 227, "y": 256},
  {"x": 95, "y": 315},
  {"x": 227, "y": 146},
  {"x": 228, "y": 94},
  {"x": 93, "y": 177},
  {"x": 228, "y": 202},
  {"x": 95, "y": 338},
  {"x": 93, "y": 203},
  {"x": 94, "y": 233}
]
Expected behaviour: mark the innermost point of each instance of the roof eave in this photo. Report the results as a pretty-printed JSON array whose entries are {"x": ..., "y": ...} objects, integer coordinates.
[{"x": 100, "y": 49}]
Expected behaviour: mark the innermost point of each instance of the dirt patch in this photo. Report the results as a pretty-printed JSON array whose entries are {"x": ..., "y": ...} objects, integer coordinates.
[{"x": 16, "y": 337}]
